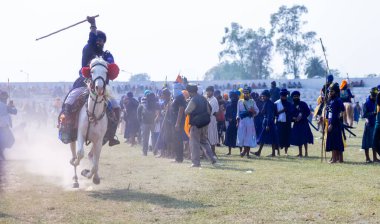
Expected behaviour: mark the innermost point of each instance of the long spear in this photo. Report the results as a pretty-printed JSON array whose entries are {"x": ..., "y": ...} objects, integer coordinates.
[
  {"x": 64, "y": 28},
  {"x": 325, "y": 103}
]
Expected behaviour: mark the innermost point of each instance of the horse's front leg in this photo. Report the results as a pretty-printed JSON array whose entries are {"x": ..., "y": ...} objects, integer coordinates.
[
  {"x": 95, "y": 155},
  {"x": 73, "y": 152},
  {"x": 95, "y": 164}
]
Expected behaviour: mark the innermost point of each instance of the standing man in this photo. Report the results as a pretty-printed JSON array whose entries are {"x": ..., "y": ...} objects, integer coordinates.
[
  {"x": 6, "y": 137},
  {"x": 369, "y": 113},
  {"x": 178, "y": 119},
  {"x": 274, "y": 92},
  {"x": 231, "y": 114},
  {"x": 334, "y": 141},
  {"x": 212, "y": 127},
  {"x": 358, "y": 112},
  {"x": 283, "y": 122},
  {"x": 199, "y": 111},
  {"x": 147, "y": 112},
  {"x": 131, "y": 121},
  {"x": 246, "y": 110},
  {"x": 301, "y": 134},
  {"x": 268, "y": 133}
]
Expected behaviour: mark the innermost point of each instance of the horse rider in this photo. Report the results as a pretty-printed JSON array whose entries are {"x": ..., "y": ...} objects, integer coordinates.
[
  {"x": 93, "y": 48},
  {"x": 322, "y": 98},
  {"x": 345, "y": 92}
]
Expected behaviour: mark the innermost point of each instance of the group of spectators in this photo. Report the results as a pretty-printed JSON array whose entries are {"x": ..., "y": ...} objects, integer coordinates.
[{"x": 183, "y": 120}]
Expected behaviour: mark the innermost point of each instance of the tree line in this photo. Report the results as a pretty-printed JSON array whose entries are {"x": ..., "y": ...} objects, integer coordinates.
[{"x": 247, "y": 53}]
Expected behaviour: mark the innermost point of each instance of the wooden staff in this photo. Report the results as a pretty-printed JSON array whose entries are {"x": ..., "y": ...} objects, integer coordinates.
[
  {"x": 65, "y": 28},
  {"x": 325, "y": 104}
]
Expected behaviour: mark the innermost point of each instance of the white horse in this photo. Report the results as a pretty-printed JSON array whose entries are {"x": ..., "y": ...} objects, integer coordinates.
[{"x": 92, "y": 121}]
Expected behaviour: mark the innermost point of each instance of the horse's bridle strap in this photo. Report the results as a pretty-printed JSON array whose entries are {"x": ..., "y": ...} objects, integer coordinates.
[{"x": 100, "y": 65}]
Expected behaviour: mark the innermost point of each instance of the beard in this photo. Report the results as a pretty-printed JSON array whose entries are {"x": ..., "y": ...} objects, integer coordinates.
[{"x": 99, "y": 48}]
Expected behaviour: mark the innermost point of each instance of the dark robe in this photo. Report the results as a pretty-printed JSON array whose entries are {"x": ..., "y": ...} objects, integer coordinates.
[
  {"x": 301, "y": 133},
  {"x": 131, "y": 121},
  {"x": 270, "y": 136},
  {"x": 284, "y": 128},
  {"x": 231, "y": 132},
  {"x": 369, "y": 113},
  {"x": 334, "y": 139},
  {"x": 376, "y": 132}
]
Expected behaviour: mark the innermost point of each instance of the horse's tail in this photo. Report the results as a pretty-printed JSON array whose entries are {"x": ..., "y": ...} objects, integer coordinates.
[{"x": 349, "y": 113}]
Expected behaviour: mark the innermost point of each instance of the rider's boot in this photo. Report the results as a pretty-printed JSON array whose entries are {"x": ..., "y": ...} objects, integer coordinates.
[{"x": 110, "y": 135}]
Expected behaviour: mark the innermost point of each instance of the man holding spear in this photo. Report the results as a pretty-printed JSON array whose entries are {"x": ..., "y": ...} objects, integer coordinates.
[{"x": 93, "y": 48}]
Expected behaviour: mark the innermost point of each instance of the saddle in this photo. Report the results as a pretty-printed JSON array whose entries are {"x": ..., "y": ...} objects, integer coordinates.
[{"x": 68, "y": 117}]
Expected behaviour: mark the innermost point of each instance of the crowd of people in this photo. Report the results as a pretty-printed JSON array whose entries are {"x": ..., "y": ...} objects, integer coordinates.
[{"x": 186, "y": 120}]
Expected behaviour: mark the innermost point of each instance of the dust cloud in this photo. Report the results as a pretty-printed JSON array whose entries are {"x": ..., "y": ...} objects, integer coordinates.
[{"x": 39, "y": 152}]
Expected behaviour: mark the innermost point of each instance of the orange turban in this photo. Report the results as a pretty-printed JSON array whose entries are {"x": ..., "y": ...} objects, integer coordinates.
[
  {"x": 343, "y": 84},
  {"x": 225, "y": 96}
]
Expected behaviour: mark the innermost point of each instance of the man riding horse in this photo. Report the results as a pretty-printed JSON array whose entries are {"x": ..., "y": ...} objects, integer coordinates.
[
  {"x": 78, "y": 95},
  {"x": 346, "y": 96}
]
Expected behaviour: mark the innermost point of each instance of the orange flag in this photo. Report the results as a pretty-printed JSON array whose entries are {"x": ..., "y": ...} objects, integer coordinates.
[
  {"x": 179, "y": 79},
  {"x": 187, "y": 125}
]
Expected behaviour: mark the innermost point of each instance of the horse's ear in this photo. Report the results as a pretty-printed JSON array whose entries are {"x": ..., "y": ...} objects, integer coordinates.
[
  {"x": 113, "y": 71},
  {"x": 86, "y": 72}
]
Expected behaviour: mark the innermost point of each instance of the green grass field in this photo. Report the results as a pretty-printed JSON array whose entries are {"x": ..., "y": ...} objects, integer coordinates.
[{"x": 137, "y": 189}]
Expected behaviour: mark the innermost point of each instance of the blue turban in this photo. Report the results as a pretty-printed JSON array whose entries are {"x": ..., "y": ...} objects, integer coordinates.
[
  {"x": 177, "y": 89},
  {"x": 147, "y": 92},
  {"x": 330, "y": 78}
]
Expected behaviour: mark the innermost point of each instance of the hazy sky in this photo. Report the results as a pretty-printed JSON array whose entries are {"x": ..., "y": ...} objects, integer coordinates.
[{"x": 165, "y": 37}]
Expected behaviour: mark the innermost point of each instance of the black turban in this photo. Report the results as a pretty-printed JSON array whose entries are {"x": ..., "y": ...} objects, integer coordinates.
[
  {"x": 266, "y": 93},
  {"x": 295, "y": 93},
  {"x": 192, "y": 88},
  {"x": 210, "y": 89},
  {"x": 284, "y": 92}
]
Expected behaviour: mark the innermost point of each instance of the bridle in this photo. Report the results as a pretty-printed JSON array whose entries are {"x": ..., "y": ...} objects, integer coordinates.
[
  {"x": 94, "y": 97},
  {"x": 91, "y": 82}
]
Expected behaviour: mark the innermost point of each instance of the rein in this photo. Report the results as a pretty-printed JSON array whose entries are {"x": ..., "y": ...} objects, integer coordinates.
[{"x": 90, "y": 115}]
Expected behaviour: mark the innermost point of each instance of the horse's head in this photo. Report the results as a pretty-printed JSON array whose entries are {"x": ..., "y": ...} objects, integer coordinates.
[{"x": 99, "y": 73}]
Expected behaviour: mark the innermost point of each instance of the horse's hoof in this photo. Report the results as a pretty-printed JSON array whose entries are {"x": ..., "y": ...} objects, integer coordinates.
[
  {"x": 76, "y": 185},
  {"x": 96, "y": 180},
  {"x": 85, "y": 172}
]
